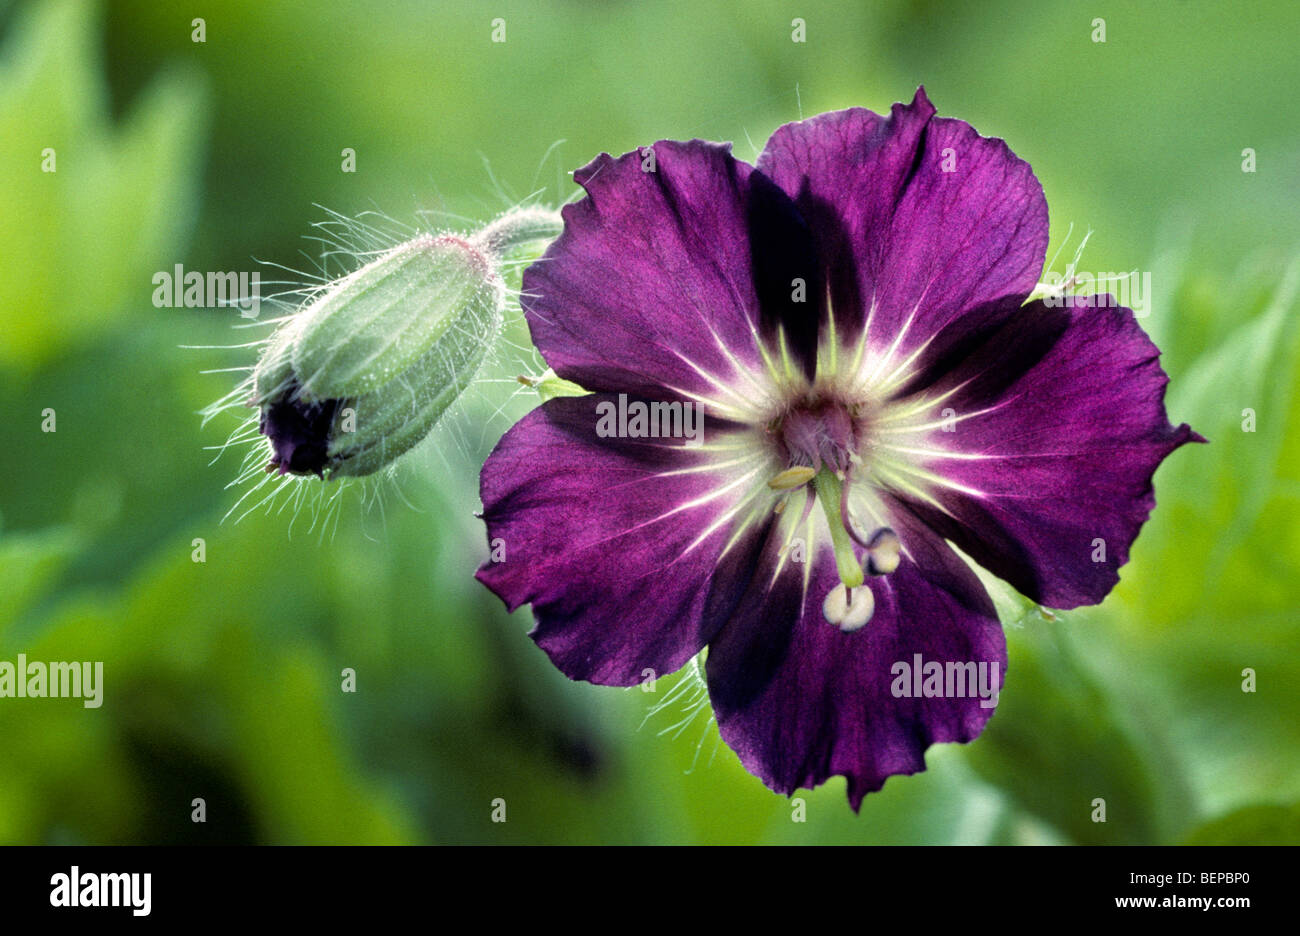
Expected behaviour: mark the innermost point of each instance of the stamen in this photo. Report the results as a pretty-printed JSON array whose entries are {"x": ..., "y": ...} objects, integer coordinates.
[
  {"x": 883, "y": 547},
  {"x": 829, "y": 494},
  {"x": 849, "y": 609},
  {"x": 883, "y": 552},
  {"x": 792, "y": 478}
]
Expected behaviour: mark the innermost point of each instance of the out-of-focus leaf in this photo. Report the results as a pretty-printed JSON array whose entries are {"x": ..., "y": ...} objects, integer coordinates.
[
  {"x": 80, "y": 244},
  {"x": 208, "y": 705},
  {"x": 1214, "y": 582},
  {"x": 1059, "y": 742},
  {"x": 28, "y": 563},
  {"x": 1251, "y": 825},
  {"x": 1229, "y": 512}
]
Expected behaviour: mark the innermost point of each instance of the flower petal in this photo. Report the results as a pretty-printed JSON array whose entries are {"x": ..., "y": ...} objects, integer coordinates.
[
  {"x": 918, "y": 218},
  {"x": 1057, "y": 425},
  {"x": 651, "y": 287},
  {"x": 633, "y": 552},
  {"x": 801, "y": 701}
]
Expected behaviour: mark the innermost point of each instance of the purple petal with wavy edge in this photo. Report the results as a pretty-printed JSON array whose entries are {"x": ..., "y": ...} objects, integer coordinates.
[
  {"x": 1059, "y": 426},
  {"x": 801, "y": 701},
  {"x": 651, "y": 289},
  {"x": 918, "y": 218},
  {"x": 616, "y": 542}
]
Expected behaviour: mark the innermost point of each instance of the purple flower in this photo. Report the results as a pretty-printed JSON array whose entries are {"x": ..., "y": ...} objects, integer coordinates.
[{"x": 850, "y": 317}]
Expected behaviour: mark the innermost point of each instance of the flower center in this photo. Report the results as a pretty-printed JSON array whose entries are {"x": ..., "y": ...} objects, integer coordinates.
[
  {"x": 820, "y": 439},
  {"x": 821, "y": 433}
]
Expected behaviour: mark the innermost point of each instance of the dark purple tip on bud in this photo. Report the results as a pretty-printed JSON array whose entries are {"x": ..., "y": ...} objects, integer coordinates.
[{"x": 299, "y": 433}]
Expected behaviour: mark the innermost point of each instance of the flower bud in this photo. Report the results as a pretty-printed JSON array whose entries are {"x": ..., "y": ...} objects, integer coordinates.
[{"x": 363, "y": 373}]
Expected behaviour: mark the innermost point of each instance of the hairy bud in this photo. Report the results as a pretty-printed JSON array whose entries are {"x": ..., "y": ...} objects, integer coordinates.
[{"x": 364, "y": 372}]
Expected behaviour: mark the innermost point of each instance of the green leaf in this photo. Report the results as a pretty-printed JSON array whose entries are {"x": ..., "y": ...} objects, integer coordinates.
[
  {"x": 1212, "y": 587},
  {"x": 80, "y": 244},
  {"x": 1228, "y": 511},
  {"x": 29, "y": 564},
  {"x": 1267, "y": 824},
  {"x": 1059, "y": 742}
]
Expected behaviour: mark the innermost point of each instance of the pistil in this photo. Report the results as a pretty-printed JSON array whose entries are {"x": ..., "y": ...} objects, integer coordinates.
[{"x": 829, "y": 493}]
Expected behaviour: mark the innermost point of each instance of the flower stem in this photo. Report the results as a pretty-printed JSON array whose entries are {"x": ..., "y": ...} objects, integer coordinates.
[{"x": 518, "y": 227}]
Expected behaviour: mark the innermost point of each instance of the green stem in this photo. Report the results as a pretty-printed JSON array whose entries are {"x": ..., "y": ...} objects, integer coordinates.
[{"x": 518, "y": 227}]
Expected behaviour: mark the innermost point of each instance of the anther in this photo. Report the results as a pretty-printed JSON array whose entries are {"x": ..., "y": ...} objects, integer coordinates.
[
  {"x": 849, "y": 609},
  {"x": 883, "y": 551},
  {"x": 792, "y": 478}
]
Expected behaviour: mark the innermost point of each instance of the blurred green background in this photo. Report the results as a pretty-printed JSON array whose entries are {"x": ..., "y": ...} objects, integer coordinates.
[{"x": 222, "y": 679}]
